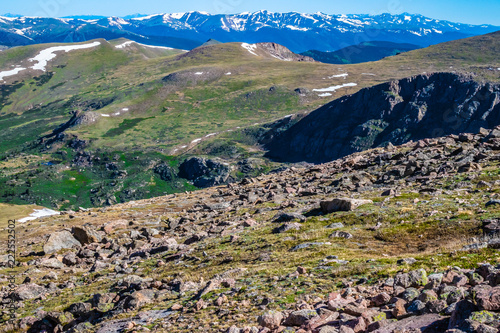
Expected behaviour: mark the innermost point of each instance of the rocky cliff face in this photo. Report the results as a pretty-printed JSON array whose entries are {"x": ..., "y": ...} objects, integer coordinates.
[
  {"x": 281, "y": 52},
  {"x": 396, "y": 112}
]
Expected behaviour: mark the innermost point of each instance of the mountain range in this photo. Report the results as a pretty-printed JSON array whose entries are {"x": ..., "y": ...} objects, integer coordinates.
[{"x": 299, "y": 32}]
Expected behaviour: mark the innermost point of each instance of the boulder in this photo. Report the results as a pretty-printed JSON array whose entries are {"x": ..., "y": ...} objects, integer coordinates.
[
  {"x": 399, "y": 309},
  {"x": 418, "y": 278},
  {"x": 287, "y": 227},
  {"x": 337, "y": 225},
  {"x": 488, "y": 298},
  {"x": 381, "y": 299},
  {"x": 491, "y": 227},
  {"x": 410, "y": 294},
  {"x": 288, "y": 217},
  {"x": 50, "y": 263},
  {"x": 60, "y": 240},
  {"x": 70, "y": 259},
  {"x": 111, "y": 226},
  {"x": 86, "y": 234},
  {"x": 79, "y": 309},
  {"x": 138, "y": 299},
  {"x": 99, "y": 266},
  {"x": 416, "y": 307},
  {"x": 341, "y": 234},
  {"x": 424, "y": 323},
  {"x": 463, "y": 310},
  {"x": 486, "y": 317},
  {"x": 28, "y": 291},
  {"x": 164, "y": 171},
  {"x": 406, "y": 261},
  {"x": 250, "y": 165},
  {"x": 402, "y": 280},
  {"x": 298, "y": 318},
  {"x": 358, "y": 325},
  {"x": 270, "y": 319},
  {"x": 342, "y": 204}
]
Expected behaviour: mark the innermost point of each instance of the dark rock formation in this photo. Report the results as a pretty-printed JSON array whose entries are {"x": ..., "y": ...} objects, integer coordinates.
[
  {"x": 164, "y": 171},
  {"x": 415, "y": 108},
  {"x": 204, "y": 172}
]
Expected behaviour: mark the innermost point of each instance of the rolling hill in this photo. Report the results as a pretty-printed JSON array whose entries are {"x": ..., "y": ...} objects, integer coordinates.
[{"x": 114, "y": 121}]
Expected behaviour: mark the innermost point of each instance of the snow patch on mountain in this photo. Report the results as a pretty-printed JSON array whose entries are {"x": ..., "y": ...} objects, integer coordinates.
[
  {"x": 309, "y": 17},
  {"x": 250, "y": 47},
  {"x": 238, "y": 24},
  {"x": 144, "y": 18},
  {"x": 156, "y": 47},
  {"x": 46, "y": 55},
  {"x": 177, "y": 15},
  {"x": 338, "y": 75},
  {"x": 11, "y": 72},
  {"x": 335, "y": 88},
  {"x": 39, "y": 213},
  {"x": 128, "y": 43},
  {"x": 291, "y": 27},
  {"x": 124, "y": 45},
  {"x": 117, "y": 22},
  {"x": 224, "y": 25}
]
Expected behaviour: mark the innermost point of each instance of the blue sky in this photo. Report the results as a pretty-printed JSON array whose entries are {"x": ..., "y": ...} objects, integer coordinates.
[{"x": 465, "y": 11}]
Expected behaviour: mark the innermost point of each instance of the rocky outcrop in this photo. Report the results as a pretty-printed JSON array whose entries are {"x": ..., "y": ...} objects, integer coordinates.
[
  {"x": 281, "y": 52},
  {"x": 204, "y": 172},
  {"x": 78, "y": 118},
  {"x": 396, "y": 112},
  {"x": 164, "y": 171}
]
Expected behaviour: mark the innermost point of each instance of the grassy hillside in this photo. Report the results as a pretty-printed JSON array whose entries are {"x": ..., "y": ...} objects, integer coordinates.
[{"x": 153, "y": 105}]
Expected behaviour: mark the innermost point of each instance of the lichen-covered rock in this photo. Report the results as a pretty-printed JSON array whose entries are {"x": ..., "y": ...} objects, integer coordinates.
[
  {"x": 418, "y": 278},
  {"x": 486, "y": 317},
  {"x": 410, "y": 294}
]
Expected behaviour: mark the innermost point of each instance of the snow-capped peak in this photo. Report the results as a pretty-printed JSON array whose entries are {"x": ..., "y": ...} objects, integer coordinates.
[{"x": 298, "y": 31}]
